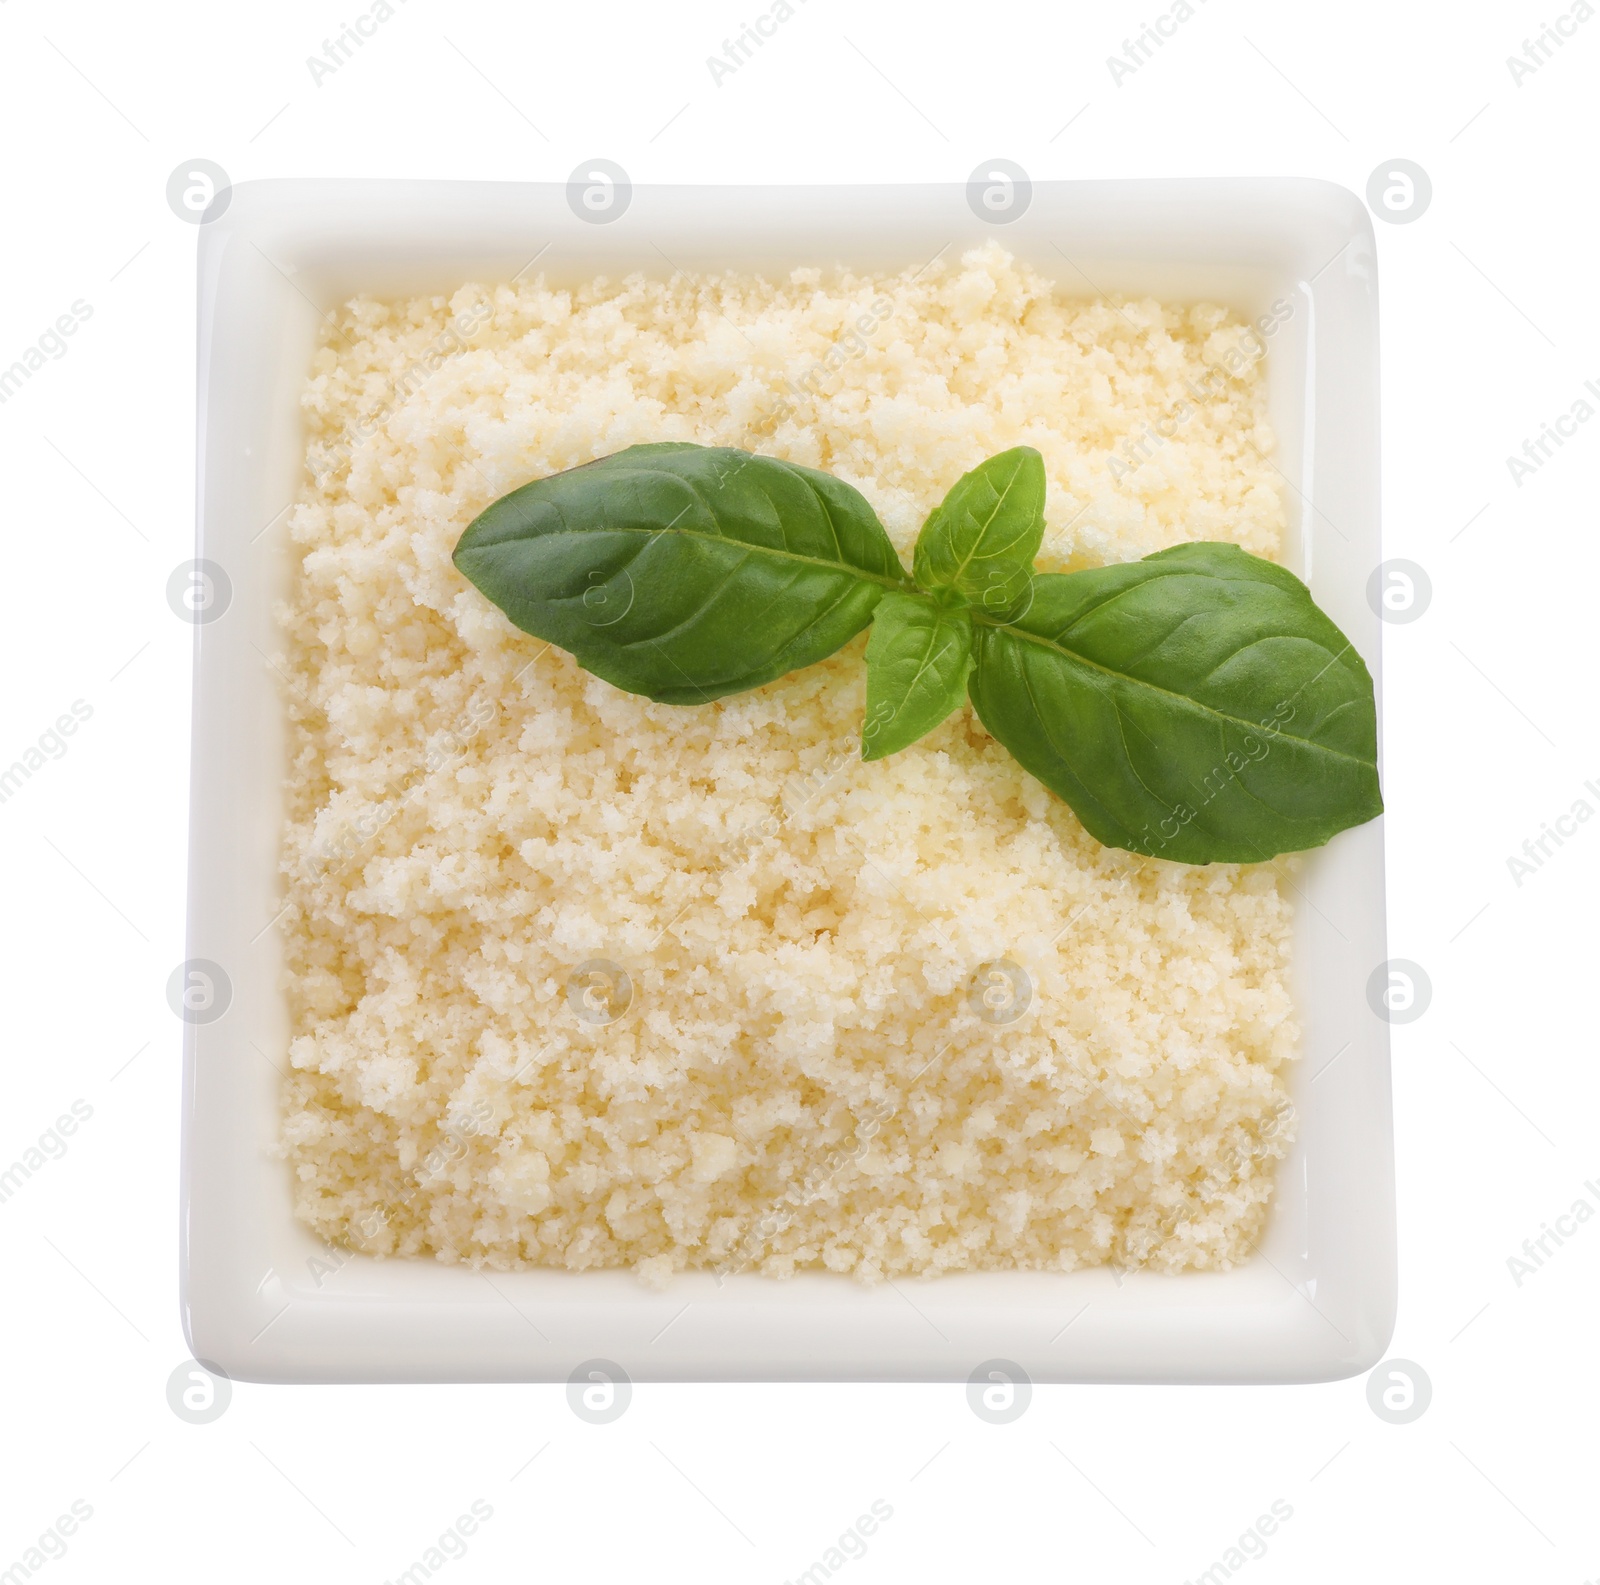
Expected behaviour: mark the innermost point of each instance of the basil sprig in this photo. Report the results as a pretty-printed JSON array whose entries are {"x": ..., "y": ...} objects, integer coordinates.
[{"x": 1195, "y": 706}]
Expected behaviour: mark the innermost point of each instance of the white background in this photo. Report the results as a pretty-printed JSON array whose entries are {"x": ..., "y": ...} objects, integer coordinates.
[{"x": 1489, "y": 331}]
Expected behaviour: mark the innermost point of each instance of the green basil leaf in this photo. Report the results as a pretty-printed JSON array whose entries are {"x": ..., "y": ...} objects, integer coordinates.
[
  {"x": 685, "y": 572},
  {"x": 918, "y": 656},
  {"x": 1194, "y": 706},
  {"x": 980, "y": 541}
]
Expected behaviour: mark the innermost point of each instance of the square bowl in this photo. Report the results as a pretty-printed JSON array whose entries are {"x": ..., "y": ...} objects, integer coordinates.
[{"x": 265, "y": 1300}]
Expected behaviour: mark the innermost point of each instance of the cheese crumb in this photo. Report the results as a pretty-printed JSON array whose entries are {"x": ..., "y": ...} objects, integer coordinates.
[{"x": 714, "y": 1157}]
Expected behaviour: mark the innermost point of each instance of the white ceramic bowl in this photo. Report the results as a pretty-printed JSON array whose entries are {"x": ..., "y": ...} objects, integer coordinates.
[{"x": 264, "y": 1300}]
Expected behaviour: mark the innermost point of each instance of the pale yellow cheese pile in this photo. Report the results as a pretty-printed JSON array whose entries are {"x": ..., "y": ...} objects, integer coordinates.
[{"x": 801, "y": 1076}]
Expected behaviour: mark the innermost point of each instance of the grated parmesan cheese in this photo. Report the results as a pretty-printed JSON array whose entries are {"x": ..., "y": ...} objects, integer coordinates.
[{"x": 584, "y": 981}]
